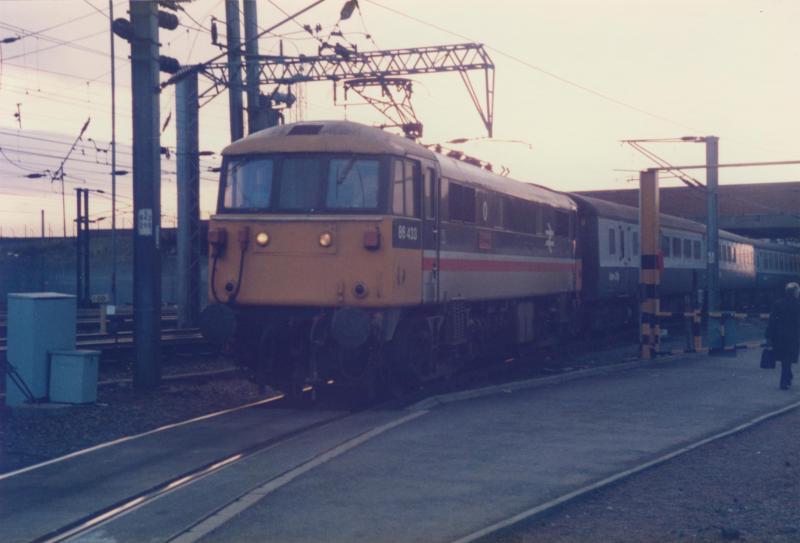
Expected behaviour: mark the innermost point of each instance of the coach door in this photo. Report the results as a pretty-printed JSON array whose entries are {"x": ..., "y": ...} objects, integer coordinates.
[{"x": 430, "y": 236}]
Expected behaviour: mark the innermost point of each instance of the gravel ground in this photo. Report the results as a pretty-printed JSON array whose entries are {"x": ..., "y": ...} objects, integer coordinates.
[
  {"x": 744, "y": 487},
  {"x": 32, "y": 434}
]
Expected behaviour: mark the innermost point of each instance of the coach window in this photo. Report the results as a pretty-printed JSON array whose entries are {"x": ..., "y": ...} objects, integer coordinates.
[
  {"x": 635, "y": 243},
  {"x": 622, "y": 243},
  {"x": 665, "y": 245},
  {"x": 687, "y": 249},
  {"x": 676, "y": 247},
  {"x": 462, "y": 203},
  {"x": 696, "y": 249},
  {"x": 612, "y": 241}
]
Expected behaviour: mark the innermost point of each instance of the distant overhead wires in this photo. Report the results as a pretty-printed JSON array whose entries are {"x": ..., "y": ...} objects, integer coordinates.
[{"x": 536, "y": 68}]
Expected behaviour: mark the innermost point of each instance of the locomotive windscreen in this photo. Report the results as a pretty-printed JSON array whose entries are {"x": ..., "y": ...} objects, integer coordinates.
[{"x": 302, "y": 183}]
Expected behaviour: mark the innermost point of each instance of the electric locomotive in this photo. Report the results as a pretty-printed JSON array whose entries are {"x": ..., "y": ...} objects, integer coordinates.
[{"x": 342, "y": 253}]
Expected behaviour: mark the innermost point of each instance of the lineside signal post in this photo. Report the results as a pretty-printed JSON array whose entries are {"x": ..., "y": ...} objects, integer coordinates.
[{"x": 649, "y": 269}]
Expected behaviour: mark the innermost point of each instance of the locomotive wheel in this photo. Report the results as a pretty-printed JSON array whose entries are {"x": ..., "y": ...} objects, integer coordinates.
[{"x": 411, "y": 355}]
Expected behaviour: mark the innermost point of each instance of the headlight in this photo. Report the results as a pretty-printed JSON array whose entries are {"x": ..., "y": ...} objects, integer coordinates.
[
  {"x": 262, "y": 239},
  {"x": 325, "y": 239}
]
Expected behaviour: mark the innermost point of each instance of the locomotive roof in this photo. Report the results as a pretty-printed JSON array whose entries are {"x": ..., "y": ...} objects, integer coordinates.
[
  {"x": 325, "y": 137},
  {"x": 457, "y": 170},
  {"x": 350, "y": 137}
]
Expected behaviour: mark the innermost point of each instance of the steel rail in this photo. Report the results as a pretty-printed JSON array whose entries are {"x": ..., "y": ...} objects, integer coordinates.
[{"x": 138, "y": 499}]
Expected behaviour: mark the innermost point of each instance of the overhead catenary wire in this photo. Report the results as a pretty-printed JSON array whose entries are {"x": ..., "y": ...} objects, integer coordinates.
[
  {"x": 59, "y": 42},
  {"x": 539, "y": 69}
]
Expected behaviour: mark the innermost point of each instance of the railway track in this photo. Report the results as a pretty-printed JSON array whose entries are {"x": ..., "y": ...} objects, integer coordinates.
[
  {"x": 112, "y": 344},
  {"x": 89, "y": 320},
  {"x": 81, "y": 527},
  {"x": 251, "y": 492}
]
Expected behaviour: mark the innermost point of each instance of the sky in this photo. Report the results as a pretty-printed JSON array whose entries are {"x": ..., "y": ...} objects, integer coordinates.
[{"x": 573, "y": 79}]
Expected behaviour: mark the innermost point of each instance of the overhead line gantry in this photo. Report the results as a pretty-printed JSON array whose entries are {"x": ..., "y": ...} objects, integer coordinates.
[{"x": 359, "y": 70}]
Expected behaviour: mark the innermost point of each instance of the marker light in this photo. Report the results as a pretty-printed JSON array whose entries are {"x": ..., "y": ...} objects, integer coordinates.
[
  {"x": 262, "y": 239},
  {"x": 325, "y": 239}
]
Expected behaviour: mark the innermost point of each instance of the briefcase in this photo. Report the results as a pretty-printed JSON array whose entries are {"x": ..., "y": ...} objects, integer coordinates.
[{"x": 767, "y": 359}]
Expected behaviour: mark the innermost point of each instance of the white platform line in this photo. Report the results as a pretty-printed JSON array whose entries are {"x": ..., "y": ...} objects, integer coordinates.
[
  {"x": 618, "y": 476},
  {"x": 220, "y": 517},
  {"x": 137, "y": 436}
]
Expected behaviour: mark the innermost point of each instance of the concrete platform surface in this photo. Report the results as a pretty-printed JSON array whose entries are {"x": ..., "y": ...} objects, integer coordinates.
[
  {"x": 448, "y": 473},
  {"x": 470, "y": 464}
]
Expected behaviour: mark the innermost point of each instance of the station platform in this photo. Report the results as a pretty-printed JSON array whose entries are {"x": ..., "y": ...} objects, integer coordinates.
[{"x": 440, "y": 471}]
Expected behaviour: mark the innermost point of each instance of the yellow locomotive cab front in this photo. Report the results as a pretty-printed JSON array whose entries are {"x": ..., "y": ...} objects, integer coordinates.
[{"x": 302, "y": 260}]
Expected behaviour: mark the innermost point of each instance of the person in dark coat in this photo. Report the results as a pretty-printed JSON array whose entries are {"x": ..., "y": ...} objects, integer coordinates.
[{"x": 783, "y": 332}]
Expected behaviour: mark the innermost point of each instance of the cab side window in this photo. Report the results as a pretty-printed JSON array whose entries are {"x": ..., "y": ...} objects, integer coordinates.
[
  {"x": 405, "y": 187},
  {"x": 429, "y": 195},
  {"x": 398, "y": 207}
]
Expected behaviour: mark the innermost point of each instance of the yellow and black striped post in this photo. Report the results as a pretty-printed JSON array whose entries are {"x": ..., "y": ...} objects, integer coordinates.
[
  {"x": 649, "y": 271},
  {"x": 697, "y": 331}
]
